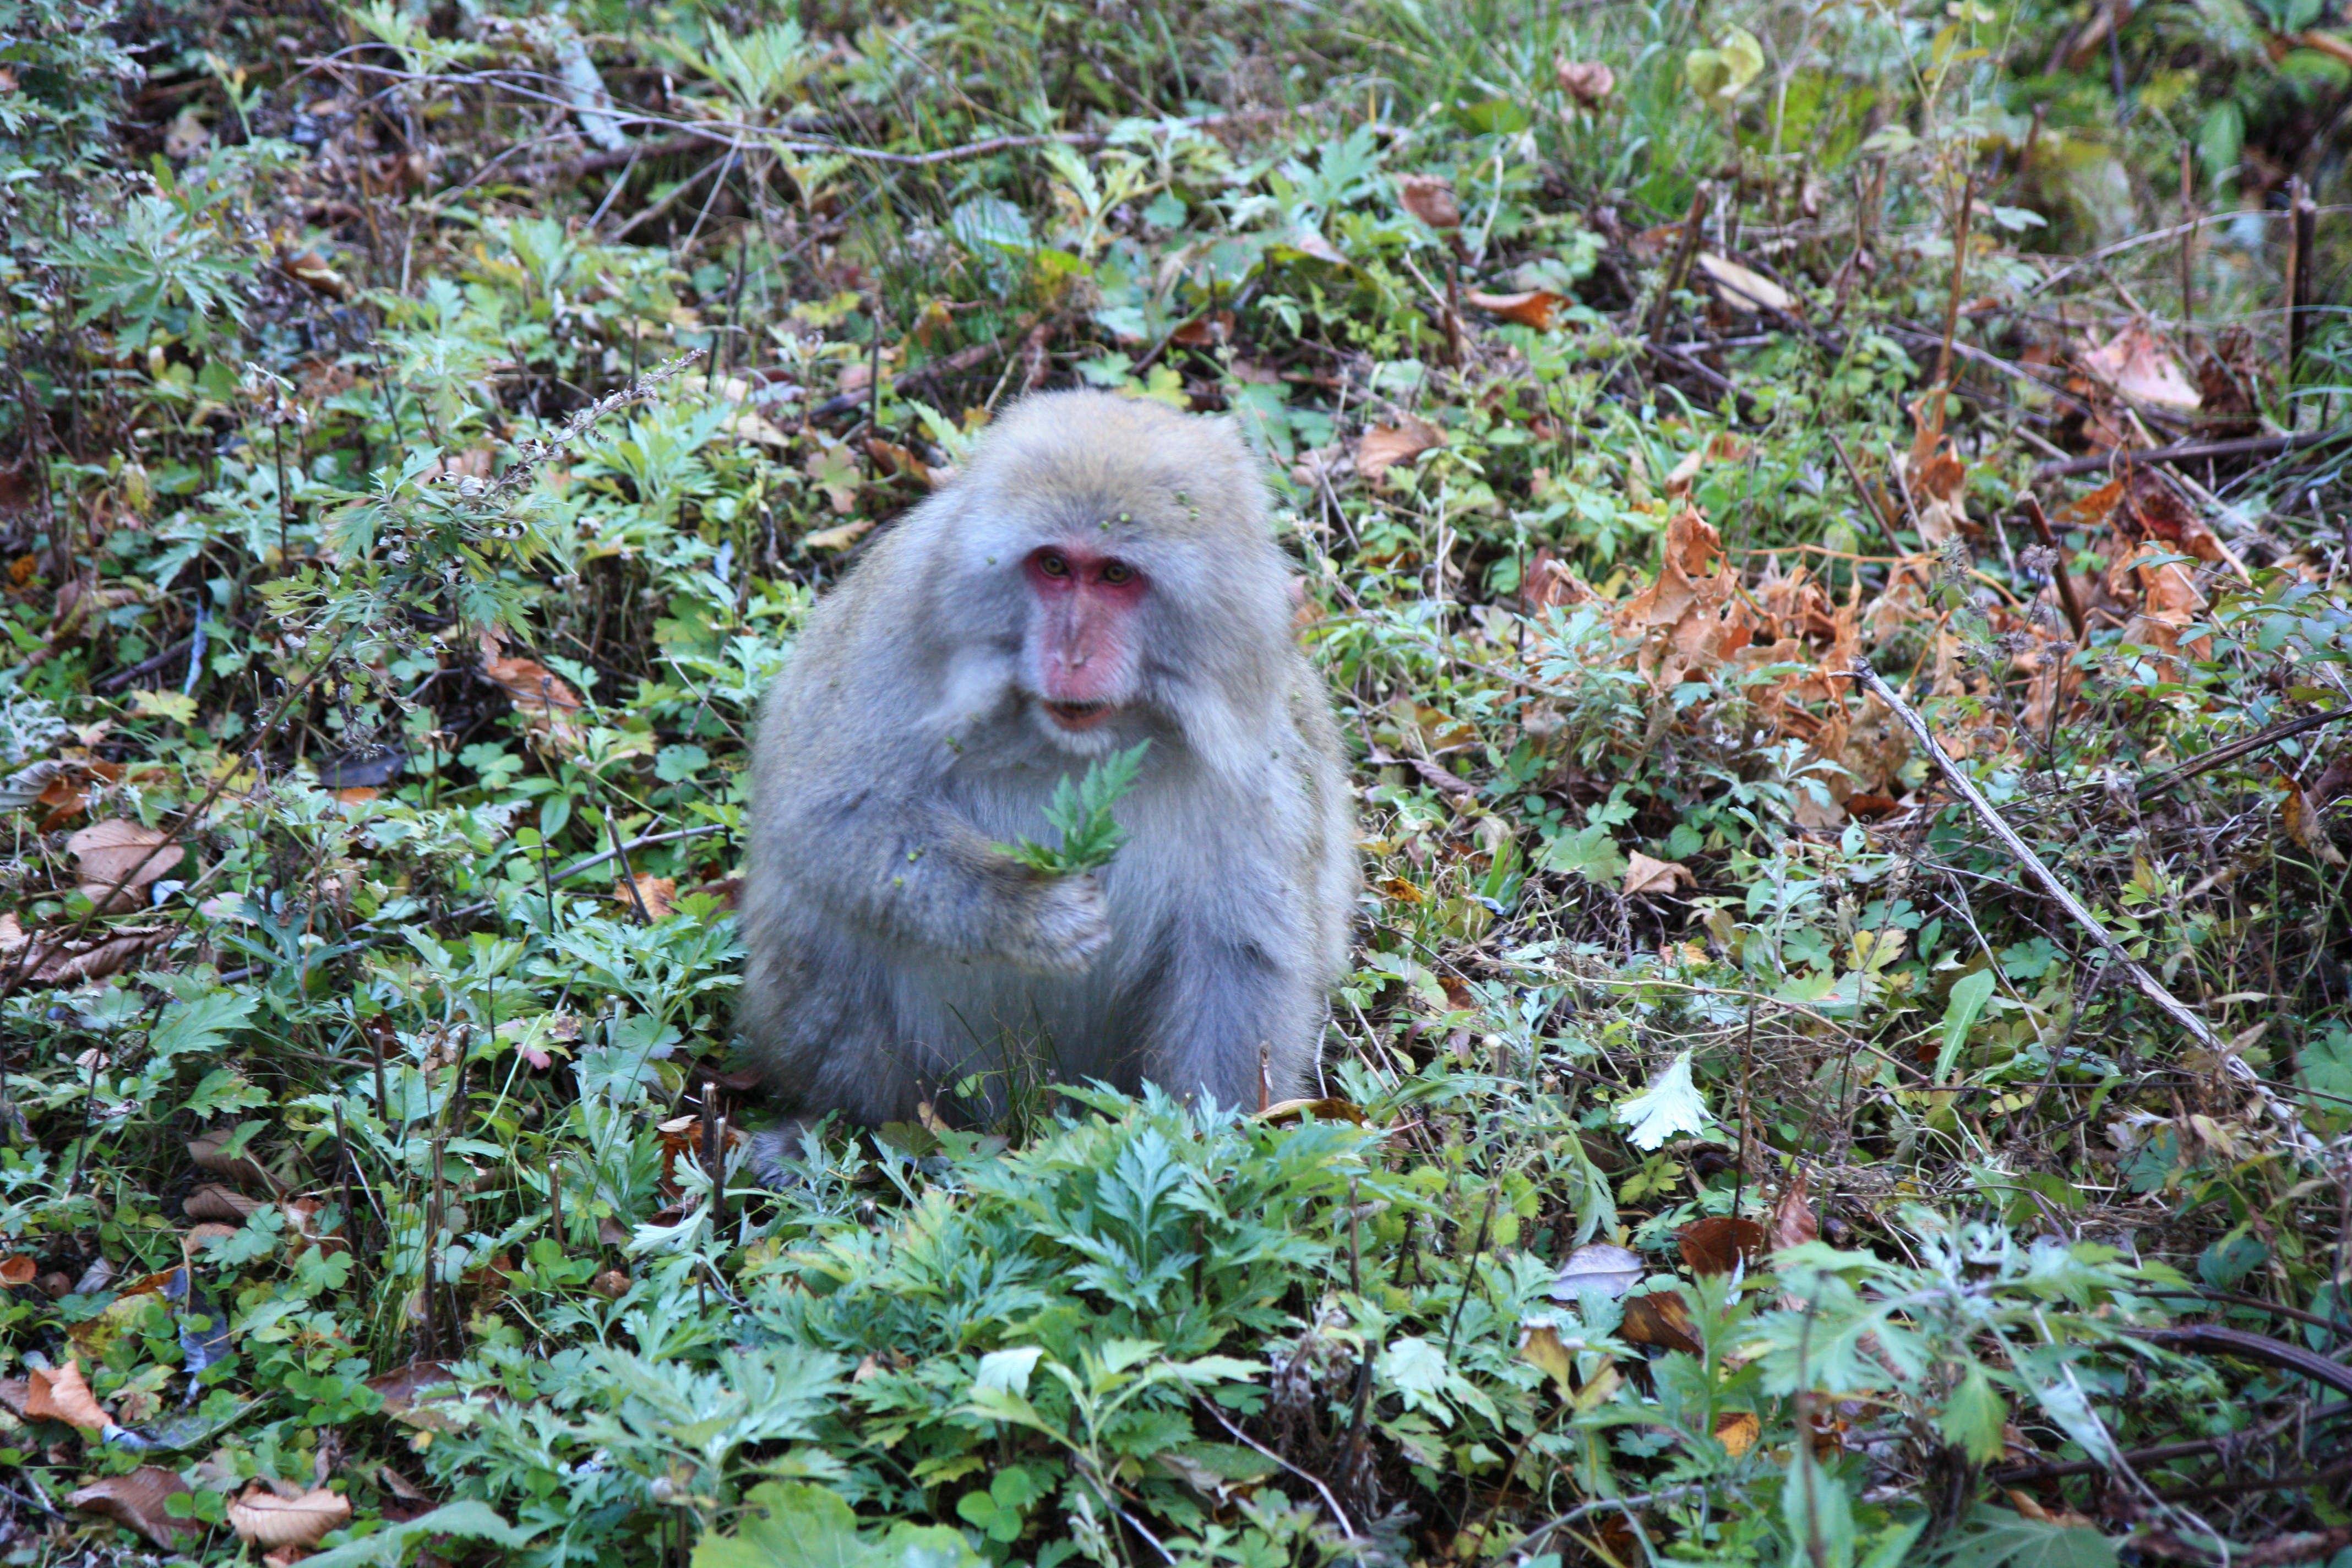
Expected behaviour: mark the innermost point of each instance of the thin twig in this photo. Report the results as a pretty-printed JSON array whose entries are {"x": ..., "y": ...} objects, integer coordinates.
[
  {"x": 2058, "y": 569},
  {"x": 2153, "y": 989},
  {"x": 2239, "y": 748},
  {"x": 2245, "y": 446}
]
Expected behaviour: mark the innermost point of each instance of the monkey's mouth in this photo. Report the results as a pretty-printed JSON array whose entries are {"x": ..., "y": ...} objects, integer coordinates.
[{"x": 1079, "y": 715}]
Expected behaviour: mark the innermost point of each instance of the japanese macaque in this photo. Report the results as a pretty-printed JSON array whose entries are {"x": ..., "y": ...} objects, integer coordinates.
[{"x": 1102, "y": 572}]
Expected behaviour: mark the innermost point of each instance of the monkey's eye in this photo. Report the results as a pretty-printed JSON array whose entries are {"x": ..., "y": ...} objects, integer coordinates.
[
  {"x": 1052, "y": 565},
  {"x": 1118, "y": 572}
]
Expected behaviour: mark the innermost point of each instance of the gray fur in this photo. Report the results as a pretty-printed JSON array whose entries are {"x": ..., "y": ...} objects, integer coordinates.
[{"x": 892, "y": 951}]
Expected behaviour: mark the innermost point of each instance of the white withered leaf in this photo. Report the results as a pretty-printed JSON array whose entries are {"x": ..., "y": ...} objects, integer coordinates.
[{"x": 1670, "y": 1105}]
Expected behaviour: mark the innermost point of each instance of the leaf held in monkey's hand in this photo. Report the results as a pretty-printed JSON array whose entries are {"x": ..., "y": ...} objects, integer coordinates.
[{"x": 1082, "y": 811}]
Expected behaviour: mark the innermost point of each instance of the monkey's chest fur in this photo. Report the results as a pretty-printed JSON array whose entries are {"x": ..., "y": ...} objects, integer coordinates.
[{"x": 1204, "y": 903}]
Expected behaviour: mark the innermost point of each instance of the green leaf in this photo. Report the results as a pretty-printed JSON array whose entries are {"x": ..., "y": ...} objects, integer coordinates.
[
  {"x": 1969, "y": 994},
  {"x": 1972, "y": 1416},
  {"x": 1818, "y": 1512},
  {"x": 1996, "y": 1538},
  {"x": 471, "y": 1520},
  {"x": 793, "y": 1525},
  {"x": 1090, "y": 838}
]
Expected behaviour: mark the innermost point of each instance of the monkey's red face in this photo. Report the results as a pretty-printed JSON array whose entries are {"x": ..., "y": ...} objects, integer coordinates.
[{"x": 1084, "y": 634}]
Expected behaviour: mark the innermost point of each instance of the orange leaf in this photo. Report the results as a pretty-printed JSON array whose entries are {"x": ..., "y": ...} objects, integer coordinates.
[
  {"x": 59, "y": 1393},
  {"x": 1536, "y": 308},
  {"x": 1737, "y": 1430},
  {"x": 546, "y": 702},
  {"x": 17, "y": 1268},
  {"x": 658, "y": 894}
]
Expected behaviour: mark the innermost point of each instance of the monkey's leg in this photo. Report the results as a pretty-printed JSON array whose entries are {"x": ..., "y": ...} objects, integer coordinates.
[{"x": 1219, "y": 998}]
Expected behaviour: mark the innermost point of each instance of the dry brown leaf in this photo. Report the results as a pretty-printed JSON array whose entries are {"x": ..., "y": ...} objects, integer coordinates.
[
  {"x": 1327, "y": 1110},
  {"x": 1385, "y": 446},
  {"x": 315, "y": 273},
  {"x": 1737, "y": 1430},
  {"x": 658, "y": 894},
  {"x": 1794, "y": 1224},
  {"x": 213, "y": 1201},
  {"x": 403, "y": 1387},
  {"x": 1742, "y": 288},
  {"x": 137, "y": 1501},
  {"x": 17, "y": 1268},
  {"x": 1587, "y": 81},
  {"x": 267, "y": 1519},
  {"x": 1717, "y": 1244},
  {"x": 240, "y": 1169},
  {"x": 119, "y": 850},
  {"x": 840, "y": 538},
  {"x": 2138, "y": 367},
  {"x": 1537, "y": 308},
  {"x": 1659, "y": 1319},
  {"x": 200, "y": 1237},
  {"x": 1645, "y": 874},
  {"x": 547, "y": 703},
  {"x": 2303, "y": 824},
  {"x": 1430, "y": 198},
  {"x": 59, "y": 1393}
]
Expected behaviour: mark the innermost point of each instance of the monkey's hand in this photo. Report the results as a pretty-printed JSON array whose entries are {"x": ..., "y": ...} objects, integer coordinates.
[{"x": 1065, "y": 928}]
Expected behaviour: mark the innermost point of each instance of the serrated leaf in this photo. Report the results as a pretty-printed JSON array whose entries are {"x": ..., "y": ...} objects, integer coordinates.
[{"x": 1670, "y": 1106}]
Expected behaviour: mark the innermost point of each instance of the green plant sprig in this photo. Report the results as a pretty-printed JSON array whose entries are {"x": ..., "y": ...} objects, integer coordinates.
[{"x": 1091, "y": 837}]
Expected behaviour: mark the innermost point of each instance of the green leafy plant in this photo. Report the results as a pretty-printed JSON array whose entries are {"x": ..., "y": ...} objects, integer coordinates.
[{"x": 1091, "y": 838}]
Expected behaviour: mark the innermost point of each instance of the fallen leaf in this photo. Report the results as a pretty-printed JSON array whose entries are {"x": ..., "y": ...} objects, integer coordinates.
[
  {"x": 658, "y": 894},
  {"x": 1794, "y": 1224},
  {"x": 262, "y": 1516},
  {"x": 213, "y": 1201},
  {"x": 546, "y": 701},
  {"x": 120, "y": 851},
  {"x": 1384, "y": 446},
  {"x": 1744, "y": 288},
  {"x": 1644, "y": 875},
  {"x": 2137, "y": 367},
  {"x": 1310, "y": 242},
  {"x": 840, "y": 538},
  {"x": 1536, "y": 308},
  {"x": 1540, "y": 1347},
  {"x": 1430, "y": 198},
  {"x": 186, "y": 137},
  {"x": 2303, "y": 825},
  {"x": 17, "y": 1268},
  {"x": 402, "y": 1388},
  {"x": 315, "y": 273},
  {"x": 59, "y": 1393},
  {"x": 137, "y": 1501},
  {"x": 241, "y": 1169},
  {"x": 1737, "y": 1430},
  {"x": 1717, "y": 1244},
  {"x": 1587, "y": 81},
  {"x": 1661, "y": 1319},
  {"x": 1600, "y": 1265}
]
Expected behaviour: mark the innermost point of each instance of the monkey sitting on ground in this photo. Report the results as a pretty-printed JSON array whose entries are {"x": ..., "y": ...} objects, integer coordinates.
[{"x": 1101, "y": 574}]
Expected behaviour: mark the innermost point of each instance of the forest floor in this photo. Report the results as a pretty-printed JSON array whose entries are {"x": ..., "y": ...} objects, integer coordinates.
[{"x": 1828, "y": 529}]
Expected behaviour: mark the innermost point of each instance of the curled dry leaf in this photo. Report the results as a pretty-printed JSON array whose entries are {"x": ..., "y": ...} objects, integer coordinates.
[
  {"x": 267, "y": 1519},
  {"x": 1600, "y": 1265},
  {"x": 1737, "y": 1430},
  {"x": 1328, "y": 1110},
  {"x": 840, "y": 538},
  {"x": 1794, "y": 1224},
  {"x": 17, "y": 1268},
  {"x": 1645, "y": 874},
  {"x": 1659, "y": 1319},
  {"x": 403, "y": 1387},
  {"x": 1537, "y": 308},
  {"x": 1430, "y": 198},
  {"x": 1587, "y": 81},
  {"x": 59, "y": 1393},
  {"x": 120, "y": 851},
  {"x": 547, "y": 703},
  {"x": 242, "y": 1169},
  {"x": 1385, "y": 446},
  {"x": 137, "y": 1501}
]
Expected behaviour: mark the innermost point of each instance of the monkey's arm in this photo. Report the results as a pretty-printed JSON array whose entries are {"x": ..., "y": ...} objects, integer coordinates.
[{"x": 917, "y": 872}]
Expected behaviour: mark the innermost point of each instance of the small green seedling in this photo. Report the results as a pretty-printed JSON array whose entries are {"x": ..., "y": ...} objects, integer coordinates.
[{"x": 1082, "y": 811}]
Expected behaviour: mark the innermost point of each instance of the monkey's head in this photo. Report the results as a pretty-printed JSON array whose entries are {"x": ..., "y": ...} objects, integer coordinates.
[{"x": 1120, "y": 552}]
